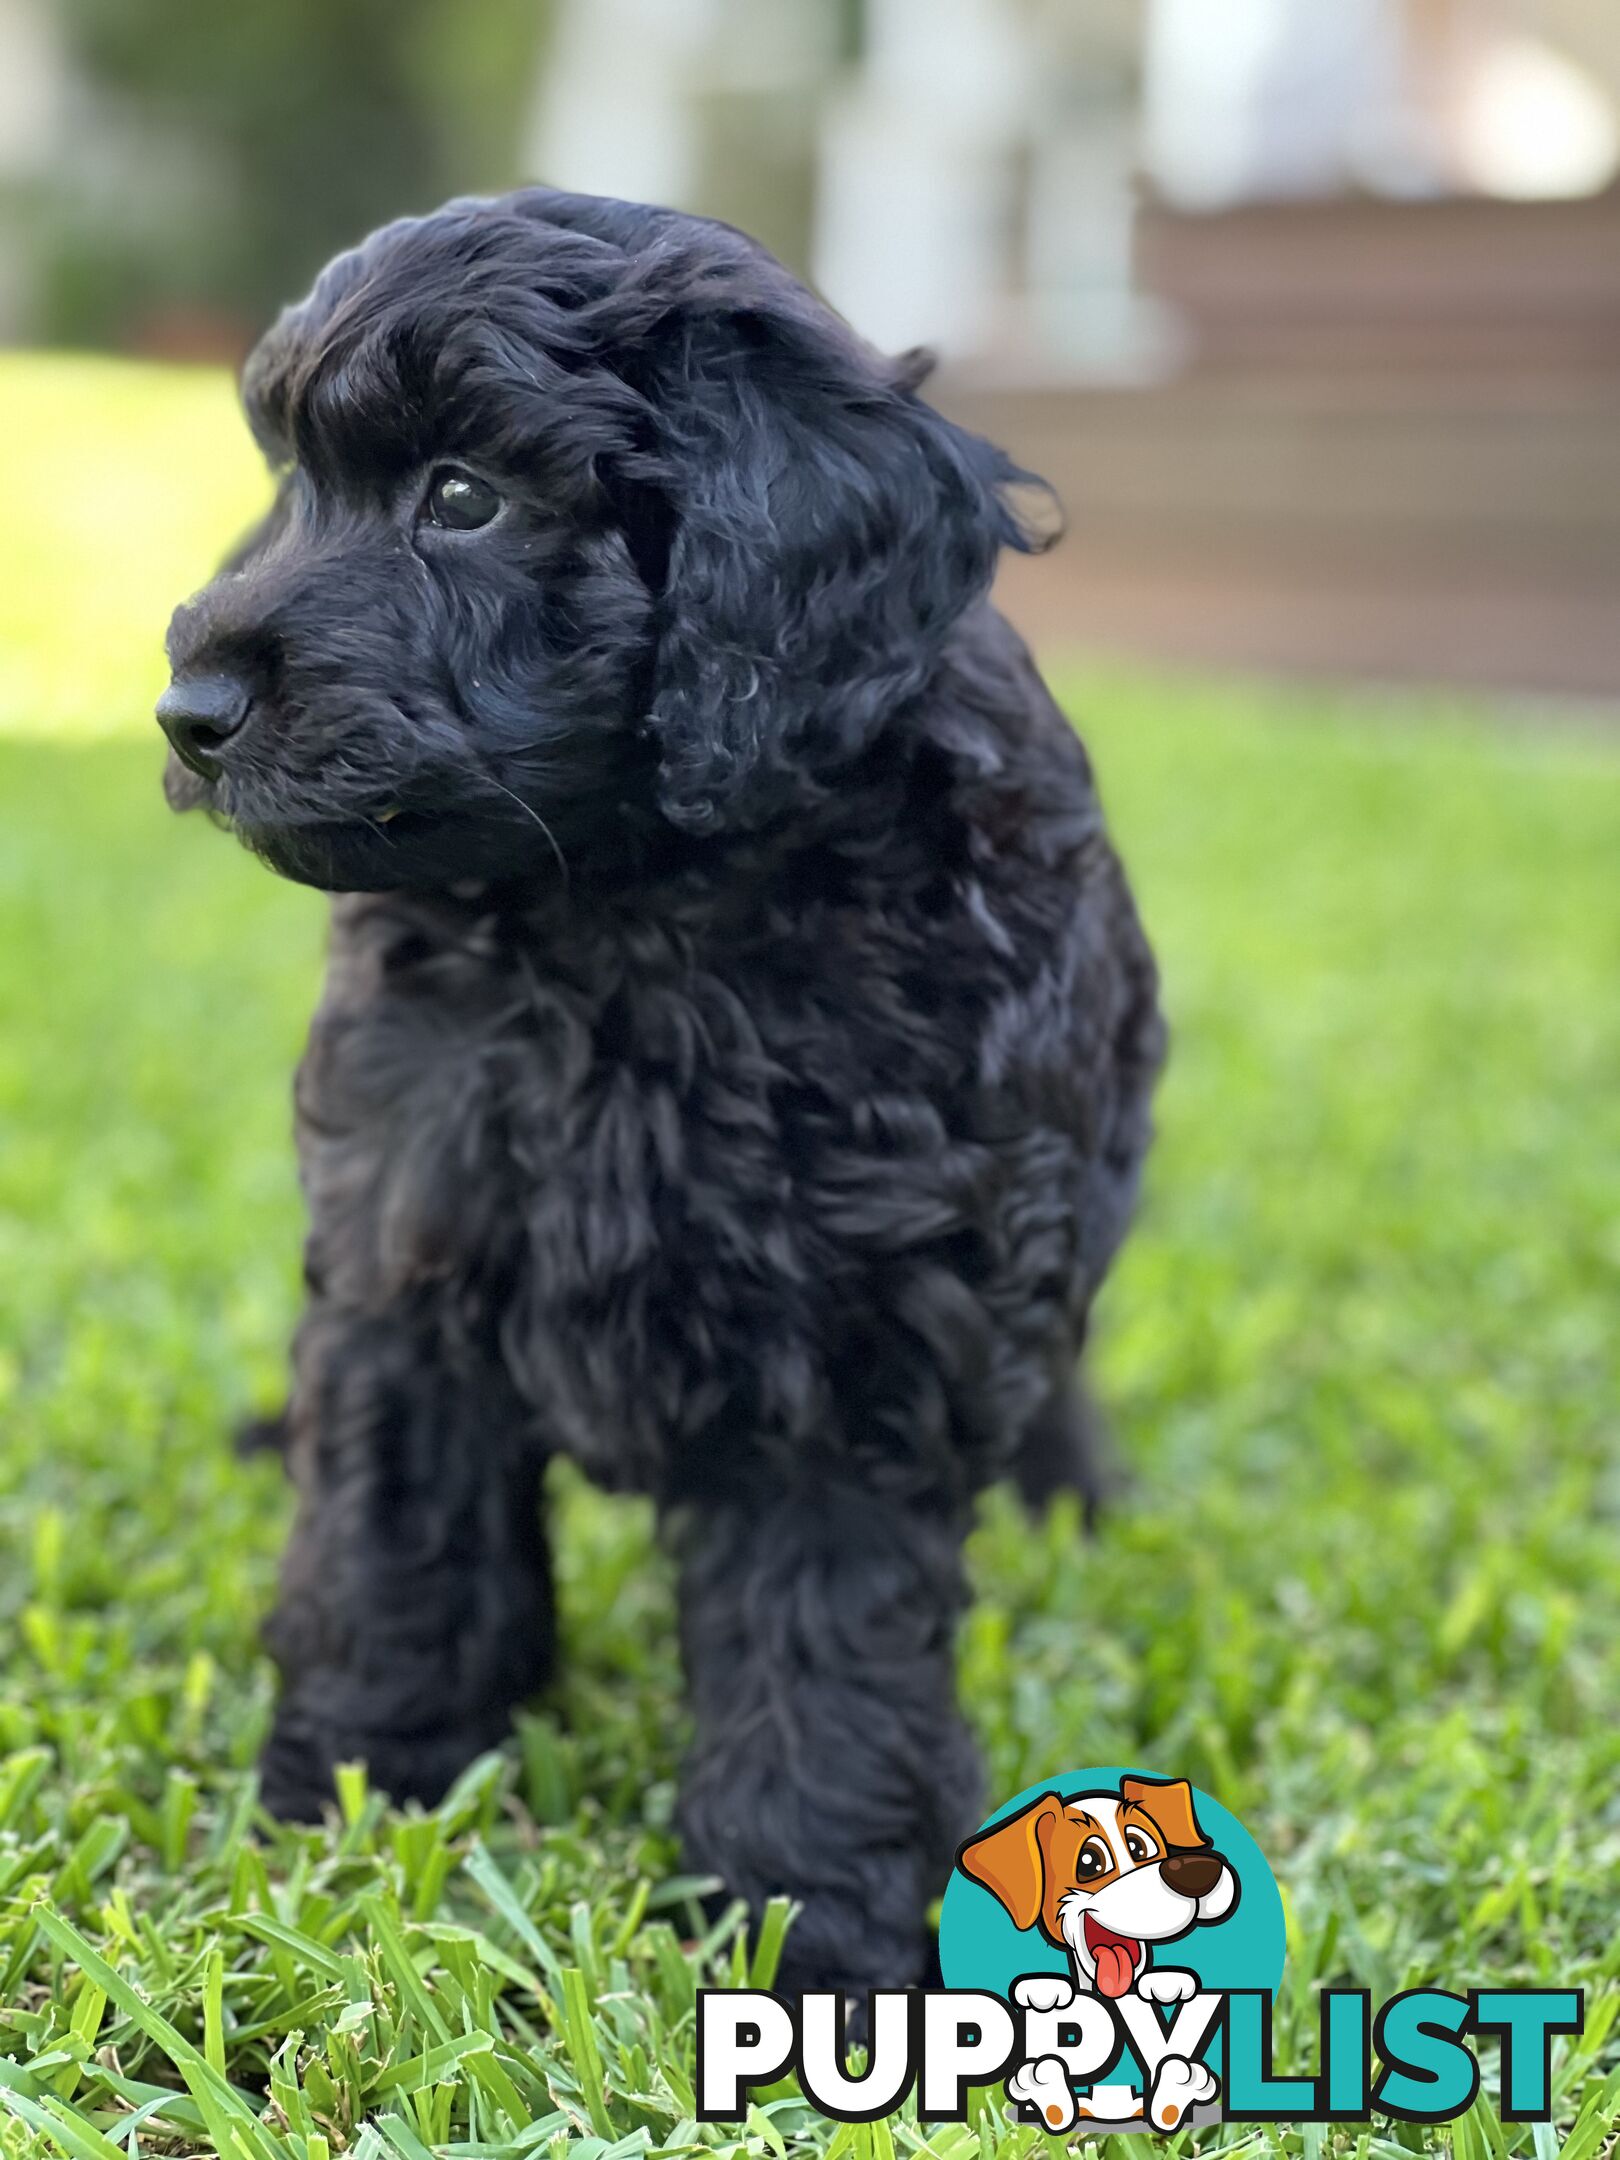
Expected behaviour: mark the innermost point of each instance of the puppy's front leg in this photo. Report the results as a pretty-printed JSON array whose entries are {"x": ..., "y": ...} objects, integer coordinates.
[
  {"x": 415, "y": 1608},
  {"x": 829, "y": 1760}
]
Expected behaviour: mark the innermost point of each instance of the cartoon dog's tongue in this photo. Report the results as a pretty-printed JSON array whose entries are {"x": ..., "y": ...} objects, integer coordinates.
[{"x": 1117, "y": 1957}]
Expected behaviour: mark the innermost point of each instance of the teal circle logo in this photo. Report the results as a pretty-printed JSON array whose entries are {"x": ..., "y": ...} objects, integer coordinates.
[
  {"x": 1114, "y": 1891},
  {"x": 1000, "y": 1910}
]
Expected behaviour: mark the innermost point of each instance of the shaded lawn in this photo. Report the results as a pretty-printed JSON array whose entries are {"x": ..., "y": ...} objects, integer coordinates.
[{"x": 1362, "y": 1357}]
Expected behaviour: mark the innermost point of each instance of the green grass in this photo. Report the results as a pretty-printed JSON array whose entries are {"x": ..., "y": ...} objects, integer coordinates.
[
  {"x": 1362, "y": 1357},
  {"x": 129, "y": 482}
]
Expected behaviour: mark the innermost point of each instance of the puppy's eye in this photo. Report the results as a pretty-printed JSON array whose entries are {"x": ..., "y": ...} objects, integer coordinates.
[
  {"x": 1140, "y": 1846},
  {"x": 459, "y": 500},
  {"x": 1095, "y": 1859}
]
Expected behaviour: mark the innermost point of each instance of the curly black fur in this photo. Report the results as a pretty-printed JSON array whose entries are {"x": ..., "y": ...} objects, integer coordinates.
[{"x": 734, "y": 1062}]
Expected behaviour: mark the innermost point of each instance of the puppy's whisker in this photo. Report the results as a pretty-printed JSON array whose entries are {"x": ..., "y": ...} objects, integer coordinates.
[
  {"x": 376, "y": 823},
  {"x": 529, "y": 810}
]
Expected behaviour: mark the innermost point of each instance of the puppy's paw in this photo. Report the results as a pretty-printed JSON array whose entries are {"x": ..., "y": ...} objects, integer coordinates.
[
  {"x": 297, "y": 1769},
  {"x": 1043, "y": 1991},
  {"x": 1168, "y": 1985},
  {"x": 1177, "y": 2086},
  {"x": 295, "y": 1774},
  {"x": 1044, "y": 2087}
]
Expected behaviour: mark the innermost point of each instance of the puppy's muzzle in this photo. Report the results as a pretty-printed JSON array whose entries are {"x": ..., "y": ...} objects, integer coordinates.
[
  {"x": 200, "y": 714},
  {"x": 1192, "y": 1874}
]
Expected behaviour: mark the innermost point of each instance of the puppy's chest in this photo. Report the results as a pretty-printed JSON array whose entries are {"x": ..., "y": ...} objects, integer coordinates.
[{"x": 484, "y": 1110}]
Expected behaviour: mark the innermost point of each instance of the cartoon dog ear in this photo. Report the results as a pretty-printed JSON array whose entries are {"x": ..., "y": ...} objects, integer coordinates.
[
  {"x": 1169, "y": 1801},
  {"x": 1010, "y": 1859},
  {"x": 826, "y": 530}
]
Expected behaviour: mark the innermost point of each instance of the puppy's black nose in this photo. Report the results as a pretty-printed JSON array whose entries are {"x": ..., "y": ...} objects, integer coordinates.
[
  {"x": 1193, "y": 1874},
  {"x": 200, "y": 714}
]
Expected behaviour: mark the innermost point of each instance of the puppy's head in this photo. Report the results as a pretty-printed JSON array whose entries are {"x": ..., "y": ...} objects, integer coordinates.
[
  {"x": 1106, "y": 1875},
  {"x": 588, "y": 517}
]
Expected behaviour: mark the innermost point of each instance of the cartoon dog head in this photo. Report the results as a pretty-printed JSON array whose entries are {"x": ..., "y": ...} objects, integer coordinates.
[{"x": 1105, "y": 1875}]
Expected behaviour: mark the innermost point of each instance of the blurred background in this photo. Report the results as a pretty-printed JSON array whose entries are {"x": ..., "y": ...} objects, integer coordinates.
[{"x": 1310, "y": 311}]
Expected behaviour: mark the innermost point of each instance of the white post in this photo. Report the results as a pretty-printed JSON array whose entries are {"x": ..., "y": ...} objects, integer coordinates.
[
  {"x": 616, "y": 113},
  {"x": 916, "y": 173}
]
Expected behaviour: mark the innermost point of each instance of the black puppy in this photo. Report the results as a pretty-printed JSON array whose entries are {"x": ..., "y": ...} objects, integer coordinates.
[{"x": 734, "y": 1062}]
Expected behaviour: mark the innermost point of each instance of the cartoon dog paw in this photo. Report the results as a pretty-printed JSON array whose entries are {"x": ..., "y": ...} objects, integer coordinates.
[
  {"x": 1177, "y": 2086},
  {"x": 1044, "y": 2086},
  {"x": 1043, "y": 1991},
  {"x": 1168, "y": 1985}
]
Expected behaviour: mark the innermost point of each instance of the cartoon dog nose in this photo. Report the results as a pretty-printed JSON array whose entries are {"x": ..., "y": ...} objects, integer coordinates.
[
  {"x": 200, "y": 714},
  {"x": 1192, "y": 1874}
]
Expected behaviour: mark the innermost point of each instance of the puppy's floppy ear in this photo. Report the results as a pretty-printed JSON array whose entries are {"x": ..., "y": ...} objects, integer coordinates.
[
  {"x": 827, "y": 529},
  {"x": 1010, "y": 1859},
  {"x": 1170, "y": 1802}
]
